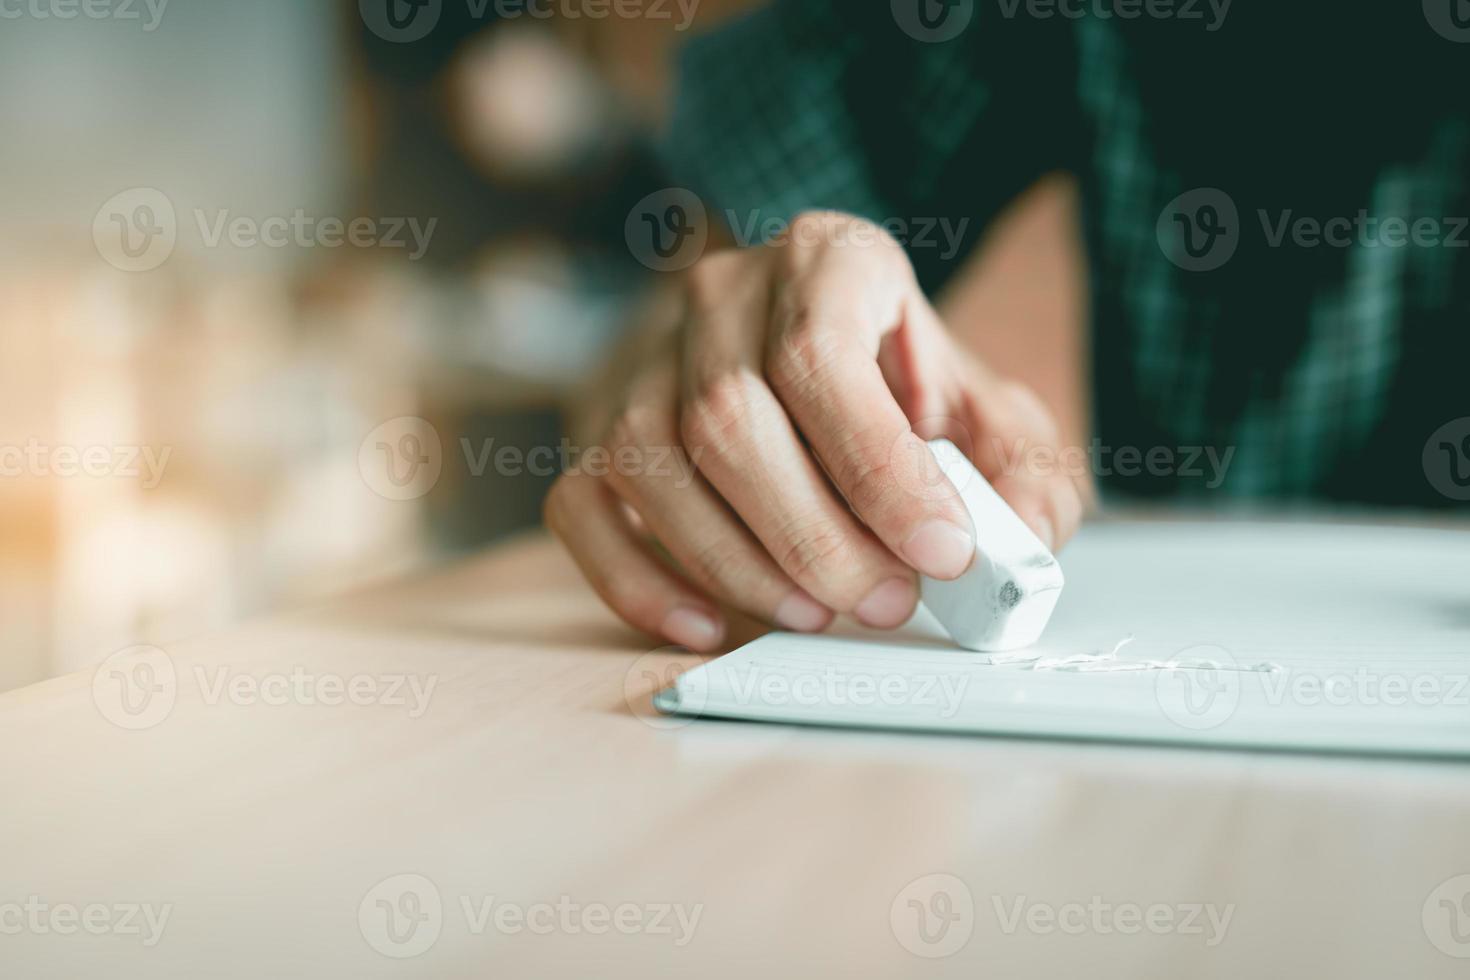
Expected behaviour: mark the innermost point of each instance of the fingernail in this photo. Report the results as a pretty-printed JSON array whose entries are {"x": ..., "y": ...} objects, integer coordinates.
[
  {"x": 693, "y": 629},
  {"x": 802, "y": 613},
  {"x": 888, "y": 605},
  {"x": 1048, "y": 534},
  {"x": 940, "y": 549}
]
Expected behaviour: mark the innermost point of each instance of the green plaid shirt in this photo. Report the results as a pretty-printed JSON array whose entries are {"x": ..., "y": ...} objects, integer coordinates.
[{"x": 1208, "y": 148}]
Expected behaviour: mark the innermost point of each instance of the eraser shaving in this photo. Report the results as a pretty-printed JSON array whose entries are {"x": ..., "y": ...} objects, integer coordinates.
[{"x": 1006, "y": 598}]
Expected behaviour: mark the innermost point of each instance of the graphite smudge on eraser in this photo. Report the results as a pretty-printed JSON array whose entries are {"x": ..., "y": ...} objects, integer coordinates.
[{"x": 1006, "y": 598}]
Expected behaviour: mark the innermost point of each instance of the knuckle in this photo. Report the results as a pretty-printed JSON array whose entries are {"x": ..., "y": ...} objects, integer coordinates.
[
  {"x": 1070, "y": 508},
  {"x": 708, "y": 282},
  {"x": 1026, "y": 409},
  {"x": 722, "y": 403},
  {"x": 810, "y": 227},
  {"x": 628, "y": 597},
  {"x": 717, "y": 563},
  {"x": 805, "y": 348},
  {"x": 814, "y": 547},
  {"x": 822, "y": 230},
  {"x": 638, "y": 424},
  {"x": 866, "y": 481}
]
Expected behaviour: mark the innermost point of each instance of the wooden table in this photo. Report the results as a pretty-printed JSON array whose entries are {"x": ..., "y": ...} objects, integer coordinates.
[{"x": 534, "y": 819}]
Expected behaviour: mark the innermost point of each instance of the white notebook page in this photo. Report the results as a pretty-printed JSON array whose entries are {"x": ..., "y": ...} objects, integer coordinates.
[{"x": 1270, "y": 635}]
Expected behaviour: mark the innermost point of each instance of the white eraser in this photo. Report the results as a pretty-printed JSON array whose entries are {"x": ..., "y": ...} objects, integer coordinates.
[{"x": 1006, "y": 598}]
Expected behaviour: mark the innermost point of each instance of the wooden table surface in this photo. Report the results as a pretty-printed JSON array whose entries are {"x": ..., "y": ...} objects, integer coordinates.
[{"x": 461, "y": 776}]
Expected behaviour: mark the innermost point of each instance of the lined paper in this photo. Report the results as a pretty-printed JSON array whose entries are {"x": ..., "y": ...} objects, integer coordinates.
[{"x": 1279, "y": 636}]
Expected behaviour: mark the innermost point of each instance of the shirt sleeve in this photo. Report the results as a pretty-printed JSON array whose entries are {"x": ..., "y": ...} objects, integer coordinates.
[{"x": 835, "y": 104}]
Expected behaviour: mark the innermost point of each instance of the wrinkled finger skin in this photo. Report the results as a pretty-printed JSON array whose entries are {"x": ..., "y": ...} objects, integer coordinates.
[{"x": 771, "y": 458}]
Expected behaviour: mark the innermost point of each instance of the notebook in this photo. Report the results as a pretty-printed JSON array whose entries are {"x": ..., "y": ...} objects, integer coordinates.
[{"x": 1290, "y": 636}]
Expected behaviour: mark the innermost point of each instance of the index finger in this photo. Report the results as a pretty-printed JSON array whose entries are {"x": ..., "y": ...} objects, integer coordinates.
[{"x": 822, "y": 361}]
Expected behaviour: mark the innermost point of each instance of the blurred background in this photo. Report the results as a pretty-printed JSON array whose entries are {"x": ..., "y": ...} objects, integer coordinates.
[{"x": 265, "y": 334}]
